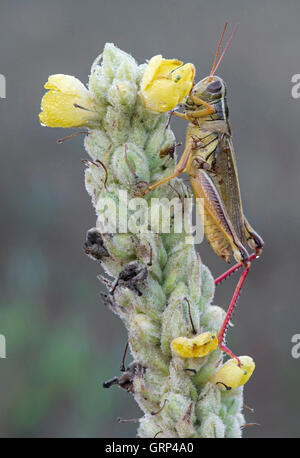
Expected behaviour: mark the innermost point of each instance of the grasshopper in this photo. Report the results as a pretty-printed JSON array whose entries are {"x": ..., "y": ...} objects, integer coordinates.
[{"x": 209, "y": 160}]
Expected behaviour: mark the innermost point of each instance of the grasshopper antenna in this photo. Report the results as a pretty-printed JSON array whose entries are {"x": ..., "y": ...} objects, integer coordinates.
[
  {"x": 224, "y": 51},
  {"x": 219, "y": 46}
]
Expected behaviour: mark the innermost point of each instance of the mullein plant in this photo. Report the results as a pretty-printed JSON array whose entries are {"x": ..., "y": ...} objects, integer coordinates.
[{"x": 156, "y": 281}]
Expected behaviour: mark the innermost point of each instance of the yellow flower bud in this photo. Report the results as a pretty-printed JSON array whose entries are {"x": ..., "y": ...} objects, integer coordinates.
[
  {"x": 67, "y": 103},
  {"x": 196, "y": 347},
  {"x": 230, "y": 375},
  {"x": 166, "y": 83}
]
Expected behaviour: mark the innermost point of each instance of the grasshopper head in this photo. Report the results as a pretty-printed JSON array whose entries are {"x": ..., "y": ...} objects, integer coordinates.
[{"x": 210, "y": 89}]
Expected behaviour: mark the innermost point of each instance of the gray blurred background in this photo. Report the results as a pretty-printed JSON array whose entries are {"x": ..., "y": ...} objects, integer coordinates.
[{"x": 62, "y": 343}]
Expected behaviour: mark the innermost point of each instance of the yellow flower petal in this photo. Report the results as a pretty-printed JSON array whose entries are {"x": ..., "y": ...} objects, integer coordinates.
[
  {"x": 195, "y": 347},
  {"x": 158, "y": 65},
  {"x": 59, "y": 104},
  {"x": 67, "y": 84},
  {"x": 166, "y": 83},
  {"x": 230, "y": 375},
  {"x": 185, "y": 78}
]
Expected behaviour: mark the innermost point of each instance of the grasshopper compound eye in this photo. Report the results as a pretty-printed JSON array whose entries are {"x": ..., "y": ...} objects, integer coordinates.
[{"x": 214, "y": 87}]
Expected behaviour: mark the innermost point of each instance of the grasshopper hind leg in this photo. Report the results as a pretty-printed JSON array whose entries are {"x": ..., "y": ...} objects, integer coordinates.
[
  {"x": 254, "y": 240},
  {"x": 223, "y": 330},
  {"x": 256, "y": 243}
]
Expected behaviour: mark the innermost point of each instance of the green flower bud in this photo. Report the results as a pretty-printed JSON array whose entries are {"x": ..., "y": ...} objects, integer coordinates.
[
  {"x": 212, "y": 427},
  {"x": 207, "y": 287},
  {"x": 176, "y": 271},
  {"x": 144, "y": 329},
  {"x": 209, "y": 401},
  {"x": 233, "y": 427},
  {"x": 98, "y": 145},
  {"x": 122, "y": 93},
  {"x": 129, "y": 163},
  {"x": 213, "y": 318},
  {"x": 177, "y": 406}
]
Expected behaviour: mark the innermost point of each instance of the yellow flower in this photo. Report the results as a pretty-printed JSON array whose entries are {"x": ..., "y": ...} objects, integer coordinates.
[
  {"x": 61, "y": 104},
  {"x": 195, "y": 347},
  {"x": 166, "y": 83},
  {"x": 230, "y": 375}
]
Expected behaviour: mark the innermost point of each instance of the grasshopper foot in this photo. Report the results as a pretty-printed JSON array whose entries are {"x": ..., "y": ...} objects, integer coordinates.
[{"x": 141, "y": 189}]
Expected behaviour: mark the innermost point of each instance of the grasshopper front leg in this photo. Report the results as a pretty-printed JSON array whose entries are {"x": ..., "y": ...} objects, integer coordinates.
[
  {"x": 190, "y": 145},
  {"x": 180, "y": 167},
  {"x": 203, "y": 112}
]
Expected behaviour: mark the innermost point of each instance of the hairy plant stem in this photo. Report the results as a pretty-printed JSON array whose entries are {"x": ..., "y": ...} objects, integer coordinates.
[{"x": 161, "y": 290}]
